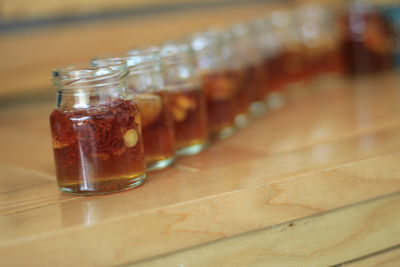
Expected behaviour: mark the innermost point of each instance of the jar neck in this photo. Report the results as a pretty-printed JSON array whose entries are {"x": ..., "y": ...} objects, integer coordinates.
[
  {"x": 84, "y": 87},
  {"x": 210, "y": 59},
  {"x": 146, "y": 78},
  {"x": 179, "y": 73}
]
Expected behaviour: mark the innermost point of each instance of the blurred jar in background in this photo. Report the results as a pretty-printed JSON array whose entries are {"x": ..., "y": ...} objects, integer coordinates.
[
  {"x": 219, "y": 87},
  {"x": 291, "y": 64},
  {"x": 367, "y": 46},
  {"x": 187, "y": 105},
  {"x": 96, "y": 131},
  {"x": 254, "y": 75},
  {"x": 235, "y": 67},
  {"x": 392, "y": 14},
  {"x": 269, "y": 48},
  {"x": 146, "y": 84},
  {"x": 321, "y": 38}
]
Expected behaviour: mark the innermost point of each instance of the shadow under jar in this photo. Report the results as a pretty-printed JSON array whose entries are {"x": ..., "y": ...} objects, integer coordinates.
[
  {"x": 96, "y": 132},
  {"x": 219, "y": 87},
  {"x": 147, "y": 89},
  {"x": 187, "y": 103}
]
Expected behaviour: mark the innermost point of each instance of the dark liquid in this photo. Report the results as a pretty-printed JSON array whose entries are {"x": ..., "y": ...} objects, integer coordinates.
[
  {"x": 292, "y": 65},
  {"x": 243, "y": 96},
  {"x": 189, "y": 114},
  {"x": 220, "y": 91},
  {"x": 275, "y": 78},
  {"x": 158, "y": 129},
  {"x": 367, "y": 50},
  {"x": 99, "y": 149},
  {"x": 321, "y": 61}
]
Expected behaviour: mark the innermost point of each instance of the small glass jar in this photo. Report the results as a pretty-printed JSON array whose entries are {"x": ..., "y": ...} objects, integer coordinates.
[
  {"x": 367, "y": 44},
  {"x": 319, "y": 34},
  {"x": 253, "y": 72},
  {"x": 146, "y": 85},
  {"x": 188, "y": 105},
  {"x": 268, "y": 44},
  {"x": 218, "y": 85},
  {"x": 96, "y": 132},
  {"x": 291, "y": 64},
  {"x": 236, "y": 69}
]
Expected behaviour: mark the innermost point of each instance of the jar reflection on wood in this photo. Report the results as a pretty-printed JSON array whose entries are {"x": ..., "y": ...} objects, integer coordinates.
[
  {"x": 188, "y": 105},
  {"x": 147, "y": 89},
  {"x": 96, "y": 132}
]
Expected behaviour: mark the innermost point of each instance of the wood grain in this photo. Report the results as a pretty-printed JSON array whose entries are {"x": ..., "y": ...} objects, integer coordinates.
[
  {"x": 176, "y": 226},
  {"x": 323, "y": 240},
  {"x": 386, "y": 259},
  {"x": 22, "y": 10}
]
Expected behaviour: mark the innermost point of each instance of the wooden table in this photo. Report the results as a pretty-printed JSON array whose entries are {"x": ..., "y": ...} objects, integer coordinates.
[{"x": 314, "y": 183}]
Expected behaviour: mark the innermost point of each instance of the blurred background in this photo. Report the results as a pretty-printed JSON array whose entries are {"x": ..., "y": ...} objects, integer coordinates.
[{"x": 37, "y": 36}]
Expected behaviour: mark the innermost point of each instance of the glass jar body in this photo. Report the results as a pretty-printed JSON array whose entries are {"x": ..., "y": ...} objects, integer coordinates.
[
  {"x": 218, "y": 85},
  {"x": 187, "y": 102},
  {"x": 153, "y": 100}
]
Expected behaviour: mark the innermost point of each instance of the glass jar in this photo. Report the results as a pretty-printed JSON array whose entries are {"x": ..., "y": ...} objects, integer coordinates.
[
  {"x": 367, "y": 45},
  {"x": 320, "y": 37},
  {"x": 219, "y": 87},
  {"x": 291, "y": 65},
  {"x": 188, "y": 105},
  {"x": 236, "y": 69},
  {"x": 96, "y": 132},
  {"x": 267, "y": 43},
  {"x": 253, "y": 69},
  {"x": 146, "y": 85}
]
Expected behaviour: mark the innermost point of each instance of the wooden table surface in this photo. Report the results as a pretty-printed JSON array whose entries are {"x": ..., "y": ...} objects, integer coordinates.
[{"x": 315, "y": 183}]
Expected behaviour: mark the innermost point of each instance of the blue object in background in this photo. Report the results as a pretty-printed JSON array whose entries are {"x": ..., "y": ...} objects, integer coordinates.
[{"x": 392, "y": 14}]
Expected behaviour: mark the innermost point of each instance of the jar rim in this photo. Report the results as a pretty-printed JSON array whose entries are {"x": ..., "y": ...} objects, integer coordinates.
[{"x": 84, "y": 74}]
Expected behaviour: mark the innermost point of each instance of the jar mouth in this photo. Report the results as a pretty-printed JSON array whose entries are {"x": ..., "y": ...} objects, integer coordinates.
[
  {"x": 85, "y": 75},
  {"x": 176, "y": 52},
  {"x": 136, "y": 59},
  {"x": 203, "y": 41},
  {"x": 146, "y": 54}
]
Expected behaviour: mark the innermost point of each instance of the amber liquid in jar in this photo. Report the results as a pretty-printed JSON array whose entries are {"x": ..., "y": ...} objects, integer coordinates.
[
  {"x": 190, "y": 121},
  {"x": 98, "y": 149},
  {"x": 243, "y": 98},
  {"x": 220, "y": 91},
  {"x": 157, "y": 129},
  {"x": 293, "y": 66},
  {"x": 366, "y": 45},
  {"x": 273, "y": 73},
  {"x": 243, "y": 95},
  {"x": 255, "y": 89}
]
